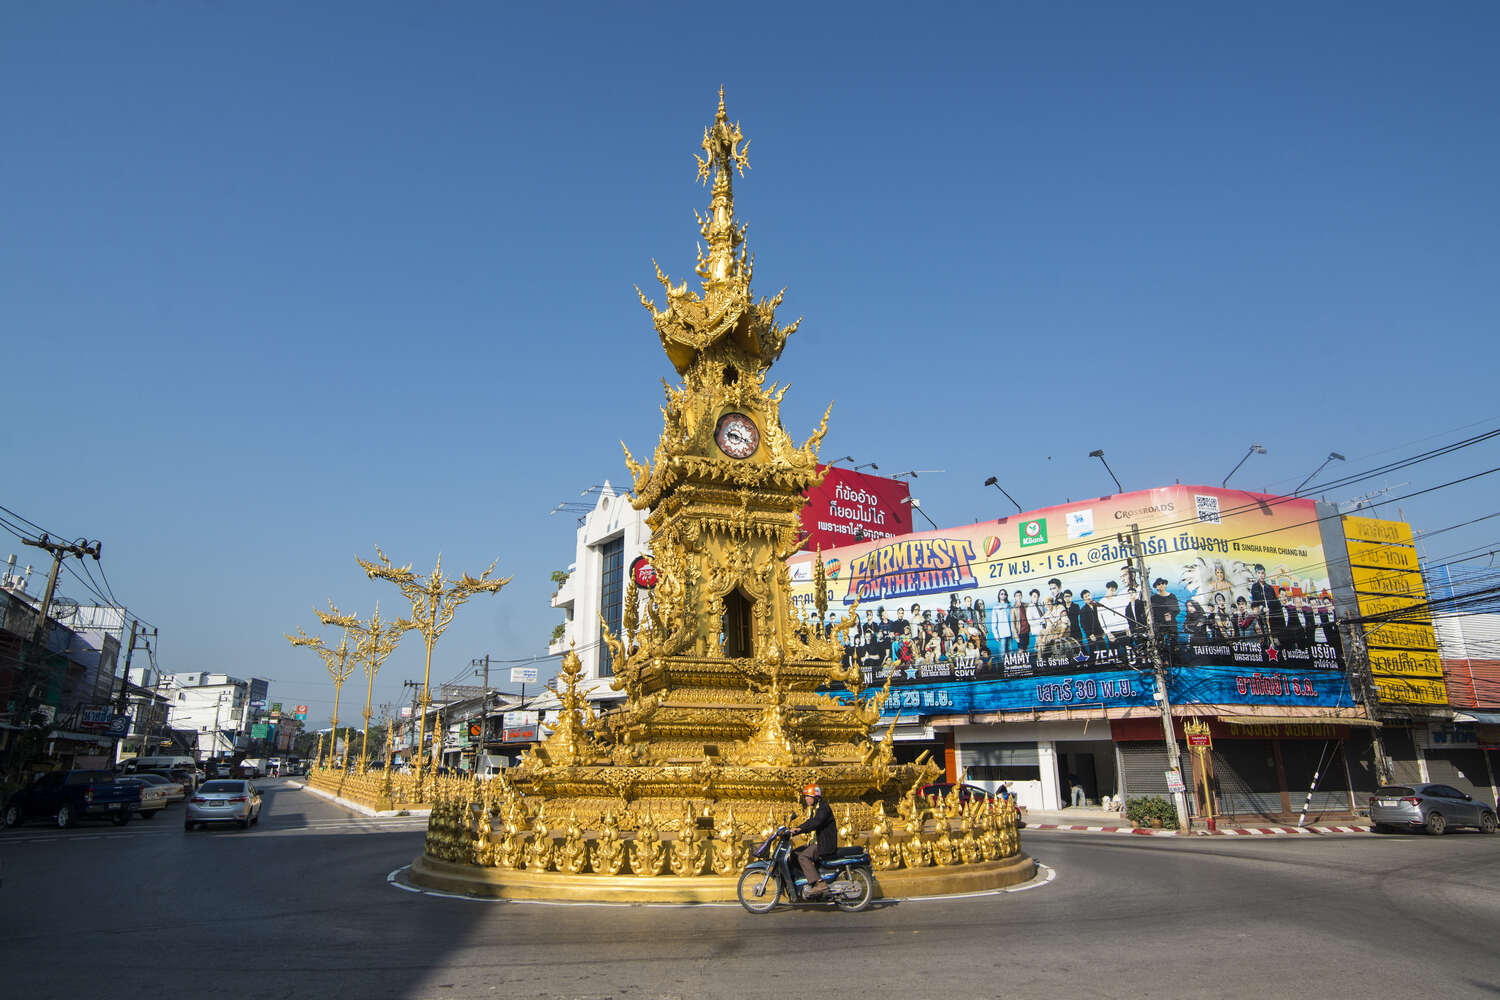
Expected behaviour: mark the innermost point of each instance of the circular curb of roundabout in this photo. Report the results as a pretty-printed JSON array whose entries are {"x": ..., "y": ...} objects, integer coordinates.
[{"x": 498, "y": 883}]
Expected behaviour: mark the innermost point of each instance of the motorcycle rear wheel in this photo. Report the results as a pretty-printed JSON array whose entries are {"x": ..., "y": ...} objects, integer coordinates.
[
  {"x": 758, "y": 891},
  {"x": 859, "y": 899}
]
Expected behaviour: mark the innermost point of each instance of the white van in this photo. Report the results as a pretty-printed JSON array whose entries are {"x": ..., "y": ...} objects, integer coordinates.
[{"x": 159, "y": 763}]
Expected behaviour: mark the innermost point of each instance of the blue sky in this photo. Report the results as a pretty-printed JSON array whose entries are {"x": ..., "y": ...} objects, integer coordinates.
[{"x": 279, "y": 283}]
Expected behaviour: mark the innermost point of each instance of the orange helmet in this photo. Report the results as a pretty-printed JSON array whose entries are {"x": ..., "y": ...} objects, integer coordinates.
[{"x": 813, "y": 790}]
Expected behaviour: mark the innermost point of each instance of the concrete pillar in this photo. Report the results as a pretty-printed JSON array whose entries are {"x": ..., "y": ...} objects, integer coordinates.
[{"x": 1046, "y": 756}]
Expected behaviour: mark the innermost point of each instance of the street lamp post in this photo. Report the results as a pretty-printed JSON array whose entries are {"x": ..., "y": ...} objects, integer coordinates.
[
  {"x": 433, "y": 602},
  {"x": 1255, "y": 449},
  {"x": 992, "y": 481},
  {"x": 916, "y": 505},
  {"x": 1333, "y": 456},
  {"x": 1099, "y": 454}
]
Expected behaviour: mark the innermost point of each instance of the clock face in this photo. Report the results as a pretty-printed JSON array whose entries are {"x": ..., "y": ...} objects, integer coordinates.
[{"x": 737, "y": 436}]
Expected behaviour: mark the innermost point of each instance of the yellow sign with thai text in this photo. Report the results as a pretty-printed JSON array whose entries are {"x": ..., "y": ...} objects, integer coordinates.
[
  {"x": 1402, "y": 635},
  {"x": 1371, "y": 605},
  {"x": 1383, "y": 555},
  {"x": 1406, "y": 691},
  {"x": 1389, "y": 582},
  {"x": 1405, "y": 663},
  {"x": 1370, "y": 529}
]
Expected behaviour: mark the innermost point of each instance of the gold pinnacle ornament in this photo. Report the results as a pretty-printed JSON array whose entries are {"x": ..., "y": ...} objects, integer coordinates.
[
  {"x": 376, "y": 642},
  {"x": 336, "y": 659},
  {"x": 433, "y": 602}
]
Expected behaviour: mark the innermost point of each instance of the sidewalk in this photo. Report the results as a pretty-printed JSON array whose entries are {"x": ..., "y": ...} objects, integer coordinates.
[
  {"x": 1094, "y": 820},
  {"x": 353, "y": 806}
]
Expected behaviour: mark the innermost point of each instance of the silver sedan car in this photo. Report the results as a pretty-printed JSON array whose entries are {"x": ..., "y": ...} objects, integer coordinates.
[
  {"x": 223, "y": 800},
  {"x": 1428, "y": 806}
]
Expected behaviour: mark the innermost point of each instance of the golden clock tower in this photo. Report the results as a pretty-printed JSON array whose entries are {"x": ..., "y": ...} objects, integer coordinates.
[{"x": 729, "y": 693}]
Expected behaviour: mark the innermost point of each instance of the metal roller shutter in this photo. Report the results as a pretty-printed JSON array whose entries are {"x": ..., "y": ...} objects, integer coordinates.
[
  {"x": 1246, "y": 773},
  {"x": 1463, "y": 769},
  {"x": 1325, "y": 759},
  {"x": 1143, "y": 768},
  {"x": 1398, "y": 744}
]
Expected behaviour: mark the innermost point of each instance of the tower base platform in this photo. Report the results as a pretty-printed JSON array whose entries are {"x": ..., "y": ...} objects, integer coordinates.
[{"x": 500, "y": 883}]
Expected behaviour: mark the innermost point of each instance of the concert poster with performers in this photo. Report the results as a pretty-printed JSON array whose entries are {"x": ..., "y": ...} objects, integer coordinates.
[{"x": 1046, "y": 609}]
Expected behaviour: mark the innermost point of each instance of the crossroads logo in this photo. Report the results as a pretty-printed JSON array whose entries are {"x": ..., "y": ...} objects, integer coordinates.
[{"x": 1034, "y": 532}]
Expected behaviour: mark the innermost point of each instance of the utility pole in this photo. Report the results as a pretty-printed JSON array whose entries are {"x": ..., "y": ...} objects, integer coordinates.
[
  {"x": 416, "y": 692},
  {"x": 22, "y": 715},
  {"x": 1359, "y": 669},
  {"x": 1158, "y": 662},
  {"x": 123, "y": 704},
  {"x": 484, "y": 714}
]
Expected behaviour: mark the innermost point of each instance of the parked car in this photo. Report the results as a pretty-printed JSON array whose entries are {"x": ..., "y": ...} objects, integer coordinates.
[
  {"x": 68, "y": 796},
  {"x": 174, "y": 790},
  {"x": 1430, "y": 807},
  {"x": 153, "y": 797},
  {"x": 223, "y": 800},
  {"x": 186, "y": 777},
  {"x": 966, "y": 792}
]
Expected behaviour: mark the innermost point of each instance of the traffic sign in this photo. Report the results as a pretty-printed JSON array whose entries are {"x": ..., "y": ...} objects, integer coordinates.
[{"x": 523, "y": 675}]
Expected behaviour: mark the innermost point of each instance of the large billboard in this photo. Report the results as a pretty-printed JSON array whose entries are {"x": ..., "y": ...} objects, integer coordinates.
[
  {"x": 852, "y": 507},
  {"x": 1045, "y": 610},
  {"x": 1404, "y": 662}
]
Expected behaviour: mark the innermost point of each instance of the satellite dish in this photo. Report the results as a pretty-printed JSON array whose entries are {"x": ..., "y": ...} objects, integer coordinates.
[{"x": 62, "y": 608}]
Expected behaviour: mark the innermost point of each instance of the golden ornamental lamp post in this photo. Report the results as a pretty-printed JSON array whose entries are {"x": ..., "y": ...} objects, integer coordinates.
[
  {"x": 376, "y": 641},
  {"x": 433, "y": 602},
  {"x": 336, "y": 660}
]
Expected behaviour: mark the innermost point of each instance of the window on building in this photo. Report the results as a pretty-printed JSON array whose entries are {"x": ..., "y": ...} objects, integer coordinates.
[
  {"x": 739, "y": 616},
  {"x": 611, "y": 595},
  {"x": 1002, "y": 761}
]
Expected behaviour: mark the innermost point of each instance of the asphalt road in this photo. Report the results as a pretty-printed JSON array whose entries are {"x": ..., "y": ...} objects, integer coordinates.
[{"x": 300, "y": 906}]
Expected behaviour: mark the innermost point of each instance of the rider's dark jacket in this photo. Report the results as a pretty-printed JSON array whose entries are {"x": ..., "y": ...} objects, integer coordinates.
[{"x": 827, "y": 830}]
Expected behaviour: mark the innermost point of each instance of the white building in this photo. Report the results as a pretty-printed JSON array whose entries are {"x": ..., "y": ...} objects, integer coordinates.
[
  {"x": 215, "y": 706},
  {"x": 610, "y": 538}
]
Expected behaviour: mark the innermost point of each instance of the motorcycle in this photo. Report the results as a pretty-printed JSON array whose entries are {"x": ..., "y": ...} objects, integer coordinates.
[{"x": 772, "y": 873}]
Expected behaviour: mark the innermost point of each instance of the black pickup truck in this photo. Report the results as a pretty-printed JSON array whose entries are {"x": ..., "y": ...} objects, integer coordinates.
[{"x": 65, "y": 797}]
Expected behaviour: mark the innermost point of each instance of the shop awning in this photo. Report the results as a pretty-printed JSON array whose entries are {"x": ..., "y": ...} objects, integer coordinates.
[
  {"x": 1297, "y": 720},
  {"x": 1483, "y": 718}
]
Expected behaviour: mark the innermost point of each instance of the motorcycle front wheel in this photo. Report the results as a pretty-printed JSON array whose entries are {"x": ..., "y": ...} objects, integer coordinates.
[
  {"x": 758, "y": 891},
  {"x": 864, "y": 890}
]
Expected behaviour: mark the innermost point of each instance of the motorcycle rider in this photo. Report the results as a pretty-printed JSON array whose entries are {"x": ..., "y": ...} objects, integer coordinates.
[{"x": 825, "y": 844}]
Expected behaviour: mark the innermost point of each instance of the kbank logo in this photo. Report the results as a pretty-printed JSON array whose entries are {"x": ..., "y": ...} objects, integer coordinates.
[{"x": 1034, "y": 532}]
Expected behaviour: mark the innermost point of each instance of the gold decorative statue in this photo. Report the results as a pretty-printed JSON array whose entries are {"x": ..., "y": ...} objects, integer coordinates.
[
  {"x": 648, "y": 855},
  {"x": 728, "y": 847},
  {"x": 573, "y": 855},
  {"x": 541, "y": 851},
  {"x": 882, "y": 854},
  {"x": 608, "y": 856}
]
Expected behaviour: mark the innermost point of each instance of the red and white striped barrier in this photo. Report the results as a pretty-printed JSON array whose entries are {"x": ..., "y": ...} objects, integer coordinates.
[{"x": 1249, "y": 831}]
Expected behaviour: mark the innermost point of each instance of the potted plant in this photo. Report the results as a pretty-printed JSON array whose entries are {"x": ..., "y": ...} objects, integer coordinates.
[{"x": 1151, "y": 811}]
